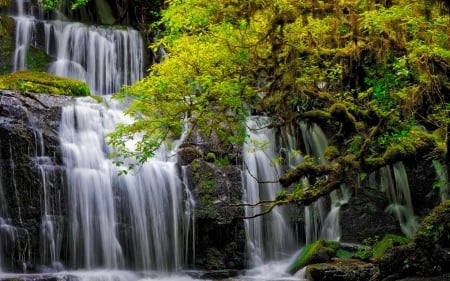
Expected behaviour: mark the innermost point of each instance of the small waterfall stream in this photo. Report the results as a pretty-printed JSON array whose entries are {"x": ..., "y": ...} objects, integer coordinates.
[{"x": 268, "y": 237}]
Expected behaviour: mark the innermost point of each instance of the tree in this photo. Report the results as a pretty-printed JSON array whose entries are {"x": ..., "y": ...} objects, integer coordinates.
[{"x": 373, "y": 72}]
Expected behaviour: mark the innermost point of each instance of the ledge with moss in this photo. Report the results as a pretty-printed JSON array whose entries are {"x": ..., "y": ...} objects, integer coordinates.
[{"x": 42, "y": 82}]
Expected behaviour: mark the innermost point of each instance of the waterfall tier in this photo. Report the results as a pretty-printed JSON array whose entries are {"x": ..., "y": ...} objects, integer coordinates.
[{"x": 104, "y": 57}]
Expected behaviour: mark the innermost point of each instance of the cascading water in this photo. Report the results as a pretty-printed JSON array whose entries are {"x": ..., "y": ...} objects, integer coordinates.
[
  {"x": 25, "y": 26},
  {"x": 441, "y": 179},
  {"x": 394, "y": 181},
  {"x": 51, "y": 218},
  {"x": 134, "y": 221},
  {"x": 268, "y": 237},
  {"x": 131, "y": 221},
  {"x": 104, "y": 57},
  {"x": 321, "y": 222}
]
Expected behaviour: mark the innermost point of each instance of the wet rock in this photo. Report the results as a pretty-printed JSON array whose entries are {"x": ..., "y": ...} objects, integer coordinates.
[
  {"x": 220, "y": 235},
  {"x": 341, "y": 270},
  {"x": 29, "y": 151},
  {"x": 367, "y": 208}
]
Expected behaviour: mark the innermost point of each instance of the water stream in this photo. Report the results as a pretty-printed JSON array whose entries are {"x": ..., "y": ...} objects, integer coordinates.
[{"x": 268, "y": 237}]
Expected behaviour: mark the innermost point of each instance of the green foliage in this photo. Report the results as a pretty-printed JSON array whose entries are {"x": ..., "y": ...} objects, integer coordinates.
[
  {"x": 364, "y": 253},
  {"x": 53, "y": 4},
  {"x": 371, "y": 75}
]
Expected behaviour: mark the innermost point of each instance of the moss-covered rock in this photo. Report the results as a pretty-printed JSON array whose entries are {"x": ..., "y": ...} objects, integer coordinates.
[
  {"x": 342, "y": 270},
  {"x": 7, "y": 29},
  {"x": 37, "y": 59},
  {"x": 428, "y": 254},
  {"x": 389, "y": 241},
  {"x": 318, "y": 252},
  {"x": 41, "y": 82},
  {"x": 434, "y": 231}
]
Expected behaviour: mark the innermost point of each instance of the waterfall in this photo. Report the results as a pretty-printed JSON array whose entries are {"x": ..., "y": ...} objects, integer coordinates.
[
  {"x": 51, "y": 214},
  {"x": 268, "y": 237},
  {"x": 25, "y": 27},
  {"x": 128, "y": 221},
  {"x": 394, "y": 181},
  {"x": 189, "y": 220},
  {"x": 321, "y": 222},
  {"x": 104, "y": 57},
  {"x": 441, "y": 179}
]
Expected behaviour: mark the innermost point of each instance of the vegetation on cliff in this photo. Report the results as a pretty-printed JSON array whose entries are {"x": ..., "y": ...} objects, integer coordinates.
[
  {"x": 375, "y": 73},
  {"x": 42, "y": 82}
]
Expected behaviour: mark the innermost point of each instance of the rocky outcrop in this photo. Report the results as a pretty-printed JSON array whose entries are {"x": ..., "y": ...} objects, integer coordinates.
[
  {"x": 220, "y": 234},
  {"x": 367, "y": 208},
  {"x": 29, "y": 159}
]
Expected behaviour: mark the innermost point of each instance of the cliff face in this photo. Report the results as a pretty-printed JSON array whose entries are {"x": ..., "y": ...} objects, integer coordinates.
[{"x": 31, "y": 176}]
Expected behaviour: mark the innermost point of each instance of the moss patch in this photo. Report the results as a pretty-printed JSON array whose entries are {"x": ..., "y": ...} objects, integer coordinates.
[
  {"x": 317, "y": 252},
  {"x": 37, "y": 60},
  {"x": 6, "y": 42},
  {"x": 389, "y": 241},
  {"x": 41, "y": 82},
  {"x": 434, "y": 231}
]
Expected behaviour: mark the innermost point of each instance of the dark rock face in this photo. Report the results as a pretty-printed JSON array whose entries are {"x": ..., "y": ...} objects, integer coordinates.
[
  {"x": 220, "y": 234},
  {"x": 421, "y": 177},
  {"x": 29, "y": 159},
  {"x": 364, "y": 216}
]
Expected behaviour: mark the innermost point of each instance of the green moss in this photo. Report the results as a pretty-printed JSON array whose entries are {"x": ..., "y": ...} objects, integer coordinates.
[
  {"x": 98, "y": 99},
  {"x": 389, "y": 241},
  {"x": 343, "y": 254},
  {"x": 317, "y": 252},
  {"x": 37, "y": 60},
  {"x": 210, "y": 157},
  {"x": 5, "y": 3},
  {"x": 204, "y": 182},
  {"x": 364, "y": 253},
  {"x": 41, "y": 82},
  {"x": 434, "y": 231},
  {"x": 331, "y": 153},
  {"x": 6, "y": 42}
]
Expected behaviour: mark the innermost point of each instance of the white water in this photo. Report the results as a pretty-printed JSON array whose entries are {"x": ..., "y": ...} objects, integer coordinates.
[
  {"x": 441, "y": 179},
  {"x": 269, "y": 237},
  {"x": 321, "y": 221},
  {"x": 394, "y": 181},
  {"x": 104, "y": 57},
  {"x": 25, "y": 26},
  {"x": 148, "y": 203}
]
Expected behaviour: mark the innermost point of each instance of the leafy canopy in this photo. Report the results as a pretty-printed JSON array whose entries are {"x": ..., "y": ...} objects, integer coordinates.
[
  {"x": 375, "y": 73},
  {"x": 207, "y": 78}
]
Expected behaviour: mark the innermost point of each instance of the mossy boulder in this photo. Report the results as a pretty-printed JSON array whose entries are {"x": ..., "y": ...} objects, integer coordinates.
[
  {"x": 342, "y": 270},
  {"x": 428, "y": 254},
  {"x": 389, "y": 241},
  {"x": 434, "y": 231},
  {"x": 41, "y": 82},
  {"x": 318, "y": 252}
]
